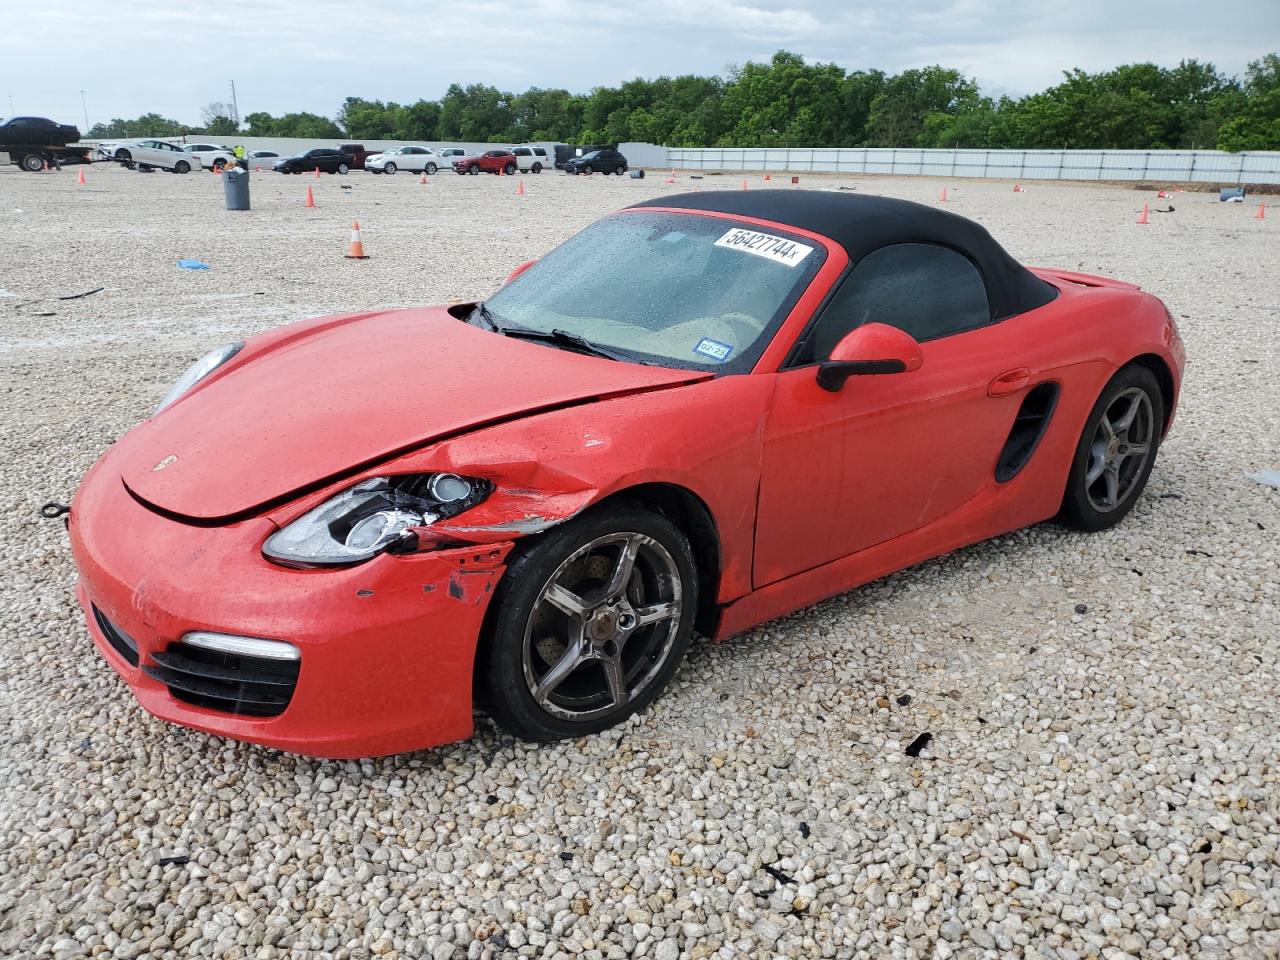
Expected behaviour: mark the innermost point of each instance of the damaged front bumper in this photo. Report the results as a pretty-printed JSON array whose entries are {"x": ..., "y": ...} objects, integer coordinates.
[{"x": 385, "y": 649}]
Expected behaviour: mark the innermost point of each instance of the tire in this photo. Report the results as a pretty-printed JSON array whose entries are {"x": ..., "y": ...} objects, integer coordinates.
[
  {"x": 219, "y": 163},
  {"x": 587, "y": 168},
  {"x": 182, "y": 167},
  {"x": 32, "y": 162},
  {"x": 389, "y": 169},
  {"x": 342, "y": 169},
  {"x": 621, "y": 169},
  {"x": 430, "y": 169},
  {"x": 1106, "y": 452},
  {"x": 510, "y": 169},
  {"x": 125, "y": 158},
  {"x": 536, "y": 168},
  {"x": 473, "y": 170},
  {"x": 522, "y": 646}
]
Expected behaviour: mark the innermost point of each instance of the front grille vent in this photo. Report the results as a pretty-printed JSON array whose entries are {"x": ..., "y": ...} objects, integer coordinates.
[
  {"x": 120, "y": 641},
  {"x": 245, "y": 685}
]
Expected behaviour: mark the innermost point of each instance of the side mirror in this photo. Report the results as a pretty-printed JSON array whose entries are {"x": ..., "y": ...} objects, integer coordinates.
[
  {"x": 872, "y": 348},
  {"x": 519, "y": 270}
]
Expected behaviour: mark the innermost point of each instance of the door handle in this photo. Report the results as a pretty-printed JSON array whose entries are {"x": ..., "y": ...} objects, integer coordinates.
[{"x": 1008, "y": 382}]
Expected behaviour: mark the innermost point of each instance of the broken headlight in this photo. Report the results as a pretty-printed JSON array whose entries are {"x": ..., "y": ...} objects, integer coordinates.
[
  {"x": 373, "y": 516},
  {"x": 210, "y": 362}
]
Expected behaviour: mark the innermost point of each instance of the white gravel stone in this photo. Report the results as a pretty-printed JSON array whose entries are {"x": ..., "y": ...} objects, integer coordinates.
[{"x": 1100, "y": 783}]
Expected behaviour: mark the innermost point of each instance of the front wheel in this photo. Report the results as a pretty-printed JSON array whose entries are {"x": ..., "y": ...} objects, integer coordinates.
[
  {"x": 182, "y": 167},
  {"x": 587, "y": 168},
  {"x": 430, "y": 169},
  {"x": 1116, "y": 451},
  {"x": 473, "y": 171},
  {"x": 389, "y": 169},
  {"x": 32, "y": 163},
  {"x": 589, "y": 624},
  {"x": 219, "y": 163}
]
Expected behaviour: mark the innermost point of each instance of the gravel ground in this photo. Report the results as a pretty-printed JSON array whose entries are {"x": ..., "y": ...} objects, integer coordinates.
[{"x": 1103, "y": 775}]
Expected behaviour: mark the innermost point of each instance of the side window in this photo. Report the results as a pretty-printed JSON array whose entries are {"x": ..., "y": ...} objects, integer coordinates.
[{"x": 924, "y": 289}]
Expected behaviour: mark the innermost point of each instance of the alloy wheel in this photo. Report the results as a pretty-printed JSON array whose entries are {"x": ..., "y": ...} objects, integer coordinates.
[
  {"x": 1119, "y": 450},
  {"x": 602, "y": 627}
]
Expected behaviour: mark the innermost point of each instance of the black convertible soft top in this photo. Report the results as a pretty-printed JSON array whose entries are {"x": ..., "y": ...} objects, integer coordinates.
[{"x": 863, "y": 223}]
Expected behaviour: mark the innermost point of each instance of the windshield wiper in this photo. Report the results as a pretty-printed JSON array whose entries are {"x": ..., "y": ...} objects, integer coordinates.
[
  {"x": 487, "y": 316},
  {"x": 565, "y": 338}
]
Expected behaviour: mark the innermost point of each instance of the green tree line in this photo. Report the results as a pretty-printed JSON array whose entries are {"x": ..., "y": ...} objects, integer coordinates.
[{"x": 789, "y": 102}]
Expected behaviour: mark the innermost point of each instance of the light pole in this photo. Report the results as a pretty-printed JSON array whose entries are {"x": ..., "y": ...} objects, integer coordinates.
[
  {"x": 84, "y": 106},
  {"x": 235, "y": 107}
]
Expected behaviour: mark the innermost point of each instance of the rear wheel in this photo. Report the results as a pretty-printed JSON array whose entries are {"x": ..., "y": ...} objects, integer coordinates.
[
  {"x": 622, "y": 168},
  {"x": 590, "y": 623},
  {"x": 430, "y": 169},
  {"x": 342, "y": 169},
  {"x": 182, "y": 167},
  {"x": 510, "y": 169},
  {"x": 536, "y": 168},
  {"x": 1116, "y": 451}
]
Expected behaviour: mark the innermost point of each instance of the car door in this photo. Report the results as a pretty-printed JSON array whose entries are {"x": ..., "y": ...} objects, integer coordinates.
[
  {"x": 888, "y": 454},
  {"x": 148, "y": 152}
]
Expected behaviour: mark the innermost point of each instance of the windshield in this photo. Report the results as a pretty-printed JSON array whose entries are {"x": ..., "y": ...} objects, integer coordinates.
[{"x": 675, "y": 289}]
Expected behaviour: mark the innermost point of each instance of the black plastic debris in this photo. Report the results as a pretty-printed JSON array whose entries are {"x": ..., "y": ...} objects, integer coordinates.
[
  {"x": 87, "y": 293},
  {"x": 566, "y": 856},
  {"x": 1198, "y": 553},
  {"x": 778, "y": 874},
  {"x": 1082, "y": 608},
  {"x": 804, "y": 830},
  {"x": 177, "y": 861},
  {"x": 904, "y": 699},
  {"x": 918, "y": 744}
]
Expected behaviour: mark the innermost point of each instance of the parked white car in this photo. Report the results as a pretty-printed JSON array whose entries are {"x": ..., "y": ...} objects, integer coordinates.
[
  {"x": 410, "y": 157},
  {"x": 211, "y": 154},
  {"x": 531, "y": 159},
  {"x": 450, "y": 154},
  {"x": 151, "y": 153}
]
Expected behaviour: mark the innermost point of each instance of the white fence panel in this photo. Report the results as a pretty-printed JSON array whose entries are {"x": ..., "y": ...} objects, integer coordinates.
[{"x": 1204, "y": 166}]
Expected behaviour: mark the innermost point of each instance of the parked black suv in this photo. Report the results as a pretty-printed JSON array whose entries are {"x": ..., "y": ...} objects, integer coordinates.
[
  {"x": 326, "y": 159},
  {"x": 607, "y": 160},
  {"x": 37, "y": 132}
]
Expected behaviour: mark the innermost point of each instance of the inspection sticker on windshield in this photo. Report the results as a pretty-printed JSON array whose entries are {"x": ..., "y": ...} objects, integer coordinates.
[
  {"x": 714, "y": 349},
  {"x": 779, "y": 249}
]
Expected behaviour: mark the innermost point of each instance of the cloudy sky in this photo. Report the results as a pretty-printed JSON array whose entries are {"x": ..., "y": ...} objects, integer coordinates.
[{"x": 134, "y": 56}]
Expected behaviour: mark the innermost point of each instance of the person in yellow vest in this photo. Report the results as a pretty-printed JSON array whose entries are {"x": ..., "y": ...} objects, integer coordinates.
[{"x": 239, "y": 152}]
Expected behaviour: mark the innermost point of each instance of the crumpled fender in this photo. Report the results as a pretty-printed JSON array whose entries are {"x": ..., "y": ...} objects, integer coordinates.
[{"x": 705, "y": 437}]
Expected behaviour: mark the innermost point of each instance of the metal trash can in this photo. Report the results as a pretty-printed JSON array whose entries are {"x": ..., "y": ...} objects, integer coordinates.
[
  {"x": 637, "y": 174},
  {"x": 235, "y": 188}
]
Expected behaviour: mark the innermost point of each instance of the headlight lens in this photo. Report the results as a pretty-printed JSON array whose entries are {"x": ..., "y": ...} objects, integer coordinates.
[
  {"x": 373, "y": 516},
  {"x": 210, "y": 362}
]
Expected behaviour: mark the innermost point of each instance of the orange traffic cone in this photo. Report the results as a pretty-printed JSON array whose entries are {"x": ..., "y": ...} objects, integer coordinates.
[
  {"x": 317, "y": 173},
  {"x": 356, "y": 250},
  {"x": 80, "y": 179},
  {"x": 1262, "y": 212},
  {"x": 520, "y": 188},
  {"x": 44, "y": 166},
  {"x": 1144, "y": 216},
  {"x": 423, "y": 178},
  {"x": 1163, "y": 195},
  {"x": 767, "y": 178},
  {"x": 744, "y": 184},
  {"x": 311, "y": 200},
  {"x": 942, "y": 195},
  {"x": 217, "y": 169},
  {"x": 257, "y": 169},
  {"x": 1017, "y": 188}
]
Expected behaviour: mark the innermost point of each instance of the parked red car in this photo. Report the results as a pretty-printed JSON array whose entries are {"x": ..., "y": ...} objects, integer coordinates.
[
  {"x": 494, "y": 161},
  {"x": 706, "y": 410}
]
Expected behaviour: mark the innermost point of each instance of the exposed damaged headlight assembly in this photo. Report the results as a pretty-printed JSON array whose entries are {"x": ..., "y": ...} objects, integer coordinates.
[
  {"x": 210, "y": 362},
  {"x": 373, "y": 517}
]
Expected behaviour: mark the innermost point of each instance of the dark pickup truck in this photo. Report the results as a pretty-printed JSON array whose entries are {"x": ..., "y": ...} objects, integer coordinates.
[{"x": 34, "y": 142}]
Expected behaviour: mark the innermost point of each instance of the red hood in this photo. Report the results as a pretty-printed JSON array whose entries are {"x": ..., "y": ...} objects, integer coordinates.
[{"x": 296, "y": 410}]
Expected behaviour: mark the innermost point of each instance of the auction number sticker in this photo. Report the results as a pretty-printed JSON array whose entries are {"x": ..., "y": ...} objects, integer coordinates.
[{"x": 778, "y": 249}]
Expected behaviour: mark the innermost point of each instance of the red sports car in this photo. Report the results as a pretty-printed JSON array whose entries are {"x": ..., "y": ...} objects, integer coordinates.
[{"x": 700, "y": 412}]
